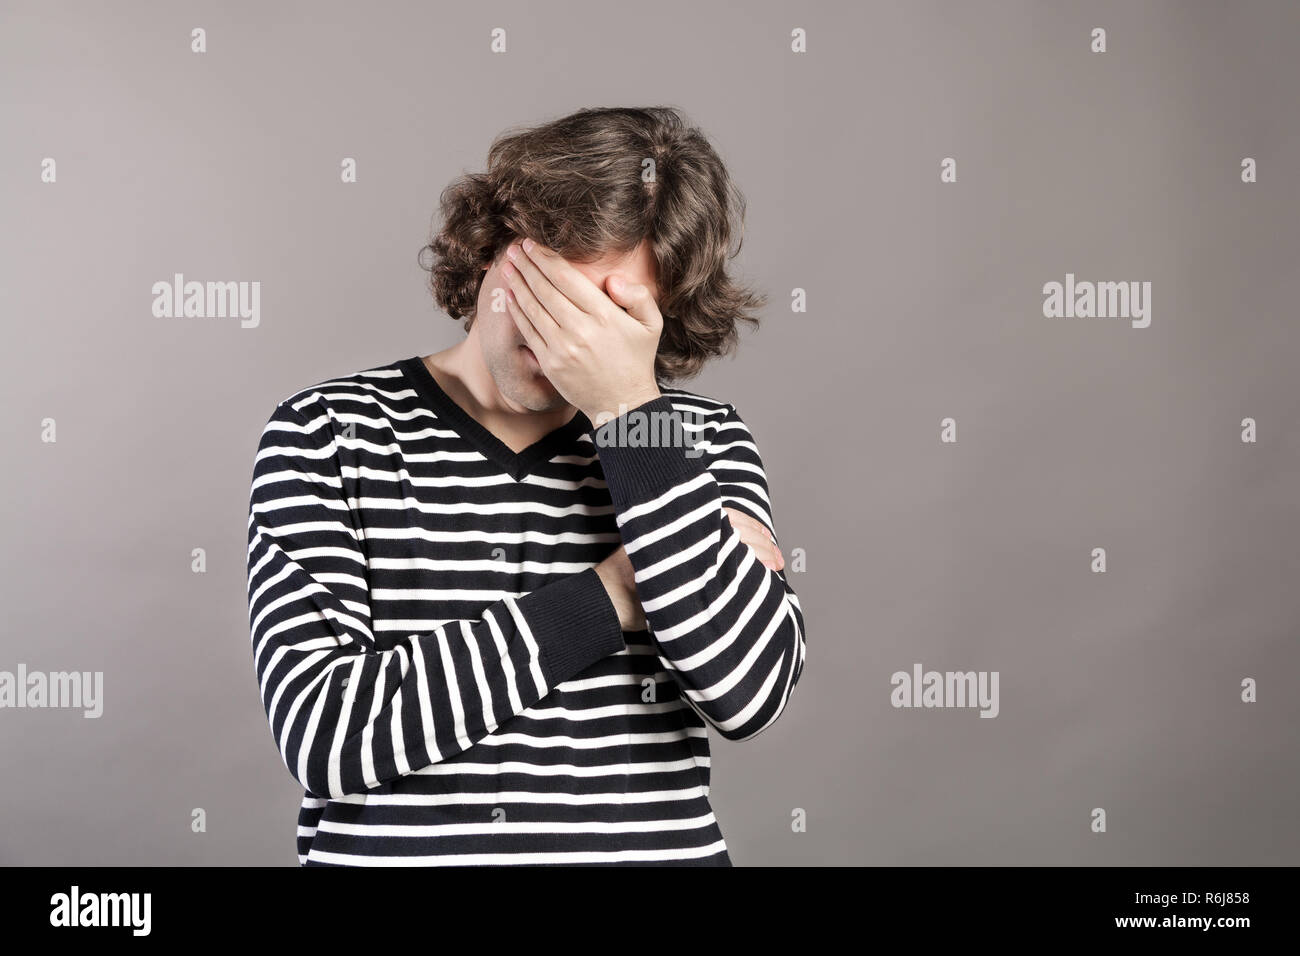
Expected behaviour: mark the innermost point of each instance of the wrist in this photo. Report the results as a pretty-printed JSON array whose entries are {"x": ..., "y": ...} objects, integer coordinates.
[
  {"x": 609, "y": 408},
  {"x": 645, "y": 451},
  {"x": 615, "y": 591}
]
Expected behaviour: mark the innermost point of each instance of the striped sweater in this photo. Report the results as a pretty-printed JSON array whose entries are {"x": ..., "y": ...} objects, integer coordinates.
[{"x": 440, "y": 666}]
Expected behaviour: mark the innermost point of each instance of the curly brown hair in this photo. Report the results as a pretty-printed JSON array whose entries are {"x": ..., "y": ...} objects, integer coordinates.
[{"x": 600, "y": 181}]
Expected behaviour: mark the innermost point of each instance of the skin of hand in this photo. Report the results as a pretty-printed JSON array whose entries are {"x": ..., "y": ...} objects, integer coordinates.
[
  {"x": 597, "y": 350},
  {"x": 755, "y": 534},
  {"x": 616, "y": 572}
]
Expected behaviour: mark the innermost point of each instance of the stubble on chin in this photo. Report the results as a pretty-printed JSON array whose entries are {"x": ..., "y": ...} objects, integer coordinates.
[
  {"x": 537, "y": 397},
  {"x": 532, "y": 392}
]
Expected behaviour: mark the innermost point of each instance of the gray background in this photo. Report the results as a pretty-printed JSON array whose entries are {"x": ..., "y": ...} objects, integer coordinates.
[{"x": 1118, "y": 690}]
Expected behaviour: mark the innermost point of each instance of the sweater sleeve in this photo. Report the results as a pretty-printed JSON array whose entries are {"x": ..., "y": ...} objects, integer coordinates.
[
  {"x": 347, "y": 716},
  {"x": 729, "y": 630}
]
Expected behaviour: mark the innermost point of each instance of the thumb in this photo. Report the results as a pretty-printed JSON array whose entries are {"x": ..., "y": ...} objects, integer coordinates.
[{"x": 635, "y": 298}]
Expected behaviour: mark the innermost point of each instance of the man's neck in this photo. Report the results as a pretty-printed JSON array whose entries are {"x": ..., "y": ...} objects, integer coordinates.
[{"x": 461, "y": 373}]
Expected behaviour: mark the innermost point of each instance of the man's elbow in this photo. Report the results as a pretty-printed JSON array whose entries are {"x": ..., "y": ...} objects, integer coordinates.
[
  {"x": 747, "y": 726},
  {"x": 313, "y": 775},
  {"x": 753, "y": 727}
]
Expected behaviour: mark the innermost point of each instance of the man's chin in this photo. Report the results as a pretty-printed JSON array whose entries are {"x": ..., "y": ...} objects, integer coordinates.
[{"x": 537, "y": 394}]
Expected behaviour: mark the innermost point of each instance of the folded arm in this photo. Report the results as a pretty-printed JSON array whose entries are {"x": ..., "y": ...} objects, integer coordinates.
[
  {"x": 729, "y": 629},
  {"x": 347, "y": 716}
]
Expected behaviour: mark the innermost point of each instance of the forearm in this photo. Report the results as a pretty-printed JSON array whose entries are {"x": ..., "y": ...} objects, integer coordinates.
[
  {"x": 730, "y": 629},
  {"x": 349, "y": 718}
]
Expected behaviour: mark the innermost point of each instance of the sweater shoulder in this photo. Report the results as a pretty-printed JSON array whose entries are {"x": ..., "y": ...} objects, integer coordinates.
[
  {"x": 702, "y": 406},
  {"x": 349, "y": 391},
  {"x": 710, "y": 419}
]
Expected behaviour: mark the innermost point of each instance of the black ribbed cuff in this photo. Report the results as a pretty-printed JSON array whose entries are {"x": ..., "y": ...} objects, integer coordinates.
[
  {"x": 574, "y": 623},
  {"x": 638, "y": 465}
]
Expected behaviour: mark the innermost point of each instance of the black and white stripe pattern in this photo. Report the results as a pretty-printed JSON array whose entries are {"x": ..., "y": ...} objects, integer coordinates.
[{"x": 443, "y": 672}]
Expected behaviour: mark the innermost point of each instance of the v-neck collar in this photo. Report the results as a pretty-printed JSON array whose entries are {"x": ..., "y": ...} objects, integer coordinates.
[{"x": 515, "y": 464}]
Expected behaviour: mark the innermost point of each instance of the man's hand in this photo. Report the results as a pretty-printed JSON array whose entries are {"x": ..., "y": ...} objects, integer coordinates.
[
  {"x": 617, "y": 574},
  {"x": 598, "y": 351},
  {"x": 755, "y": 534}
]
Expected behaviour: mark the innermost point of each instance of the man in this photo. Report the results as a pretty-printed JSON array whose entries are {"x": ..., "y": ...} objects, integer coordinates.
[{"x": 498, "y": 593}]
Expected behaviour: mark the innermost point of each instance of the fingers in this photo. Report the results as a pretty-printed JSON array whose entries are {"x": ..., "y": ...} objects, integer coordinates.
[
  {"x": 755, "y": 534},
  {"x": 560, "y": 283},
  {"x": 532, "y": 338},
  {"x": 637, "y": 301},
  {"x": 741, "y": 519},
  {"x": 534, "y": 293}
]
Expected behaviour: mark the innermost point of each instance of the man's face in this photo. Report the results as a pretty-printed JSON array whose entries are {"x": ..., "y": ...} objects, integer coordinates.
[{"x": 510, "y": 362}]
